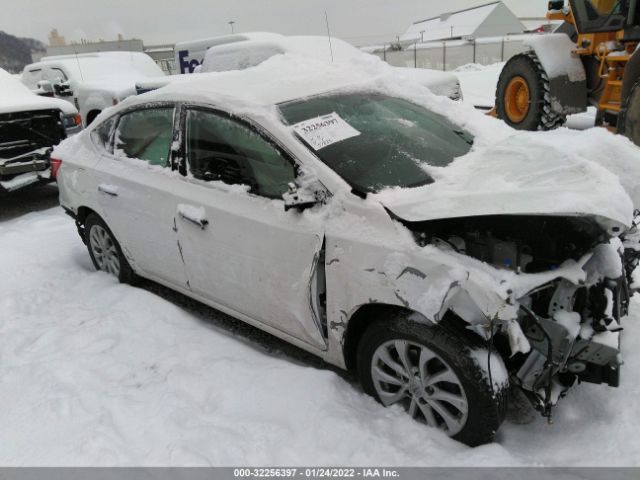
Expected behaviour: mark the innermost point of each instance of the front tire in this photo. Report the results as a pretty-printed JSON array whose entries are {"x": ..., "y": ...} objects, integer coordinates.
[
  {"x": 435, "y": 376},
  {"x": 105, "y": 251},
  {"x": 523, "y": 98}
]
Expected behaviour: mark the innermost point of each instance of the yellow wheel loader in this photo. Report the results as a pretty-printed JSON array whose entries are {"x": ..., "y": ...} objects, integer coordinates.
[{"x": 594, "y": 60}]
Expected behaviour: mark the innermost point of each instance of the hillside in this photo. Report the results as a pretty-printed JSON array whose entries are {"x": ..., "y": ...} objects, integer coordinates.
[{"x": 16, "y": 52}]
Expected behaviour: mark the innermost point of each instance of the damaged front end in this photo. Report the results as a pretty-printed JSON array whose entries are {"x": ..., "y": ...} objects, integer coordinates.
[
  {"x": 551, "y": 295},
  {"x": 26, "y": 141}
]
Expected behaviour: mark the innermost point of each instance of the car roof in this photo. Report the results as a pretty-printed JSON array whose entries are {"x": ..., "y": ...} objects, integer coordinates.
[{"x": 278, "y": 80}]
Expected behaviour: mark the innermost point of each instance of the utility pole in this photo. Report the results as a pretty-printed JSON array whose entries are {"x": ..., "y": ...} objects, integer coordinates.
[
  {"x": 451, "y": 31},
  {"x": 231, "y": 23},
  {"x": 422, "y": 36}
]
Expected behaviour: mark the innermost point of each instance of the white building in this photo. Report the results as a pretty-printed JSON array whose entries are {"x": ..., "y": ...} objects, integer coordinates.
[{"x": 490, "y": 20}]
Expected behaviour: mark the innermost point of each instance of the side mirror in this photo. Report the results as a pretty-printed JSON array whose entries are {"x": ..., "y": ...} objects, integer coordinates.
[
  {"x": 45, "y": 86},
  {"x": 63, "y": 89},
  {"x": 299, "y": 198}
]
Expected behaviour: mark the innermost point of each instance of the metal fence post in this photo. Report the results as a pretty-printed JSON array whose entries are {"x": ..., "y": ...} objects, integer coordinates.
[
  {"x": 502, "y": 52},
  {"x": 474, "y": 50},
  {"x": 415, "y": 55},
  {"x": 444, "y": 56},
  {"x": 384, "y": 53}
]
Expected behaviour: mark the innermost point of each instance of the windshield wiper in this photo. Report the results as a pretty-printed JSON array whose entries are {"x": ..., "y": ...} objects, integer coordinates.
[{"x": 465, "y": 136}]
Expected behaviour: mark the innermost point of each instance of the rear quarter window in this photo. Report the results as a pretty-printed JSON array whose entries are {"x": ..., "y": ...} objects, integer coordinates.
[{"x": 102, "y": 136}]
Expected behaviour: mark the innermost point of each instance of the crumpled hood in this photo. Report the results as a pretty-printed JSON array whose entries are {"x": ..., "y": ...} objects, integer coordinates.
[{"x": 515, "y": 177}]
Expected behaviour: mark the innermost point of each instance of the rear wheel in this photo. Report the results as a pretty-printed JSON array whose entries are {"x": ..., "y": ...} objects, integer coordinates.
[
  {"x": 523, "y": 98},
  {"x": 435, "y": 376},
  {"x": 632, "y": 115},
  {"x": 105, "y": 251}
]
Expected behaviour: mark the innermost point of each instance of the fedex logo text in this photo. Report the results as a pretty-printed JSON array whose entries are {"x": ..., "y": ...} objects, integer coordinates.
[{"x": 186, "y": 65}]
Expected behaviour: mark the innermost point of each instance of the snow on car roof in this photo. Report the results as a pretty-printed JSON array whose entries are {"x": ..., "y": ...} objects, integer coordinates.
[
  {"x": 97, "y": 66},
  {"x": 280, "y": 79},
  {"x": 239, "y": 55}
]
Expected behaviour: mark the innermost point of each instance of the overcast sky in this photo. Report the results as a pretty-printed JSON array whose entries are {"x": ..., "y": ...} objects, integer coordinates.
[{"x": 361, "y": 22}]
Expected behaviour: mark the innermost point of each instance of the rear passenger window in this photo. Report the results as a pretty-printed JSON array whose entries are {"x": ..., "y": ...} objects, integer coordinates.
[
  {"x": 101, "y": 136},
  {"x": 145, "y": 135}
]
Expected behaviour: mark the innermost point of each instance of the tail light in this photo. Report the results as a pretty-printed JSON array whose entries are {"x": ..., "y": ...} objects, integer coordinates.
[
  {"x": 77, "y": 120},
  {"x": 55, "y": 166}
]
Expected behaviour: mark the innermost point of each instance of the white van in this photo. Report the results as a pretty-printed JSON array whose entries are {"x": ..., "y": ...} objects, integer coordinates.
[{"x": 189, "y": 55}]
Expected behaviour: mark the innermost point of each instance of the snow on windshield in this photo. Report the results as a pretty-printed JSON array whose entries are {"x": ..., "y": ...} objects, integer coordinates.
[{"x": 382, "y": 141}]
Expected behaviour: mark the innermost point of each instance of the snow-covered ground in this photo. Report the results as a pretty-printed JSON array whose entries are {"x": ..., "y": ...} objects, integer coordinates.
[
  {"x": 478, "y": 83},
  {"x": 97, "y": 373}
]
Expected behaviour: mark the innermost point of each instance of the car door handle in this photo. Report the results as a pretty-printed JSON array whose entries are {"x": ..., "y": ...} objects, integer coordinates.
[
  {"x": 193, "y": 215},
  {"x": 110, "y": 190}
]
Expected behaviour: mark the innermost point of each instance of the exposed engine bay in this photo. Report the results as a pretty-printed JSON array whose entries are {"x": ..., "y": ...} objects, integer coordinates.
[{"x": 572, "y": 329}]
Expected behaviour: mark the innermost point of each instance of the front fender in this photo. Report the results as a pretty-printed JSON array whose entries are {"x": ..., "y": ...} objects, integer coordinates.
[{"x": 565, "y": 70}]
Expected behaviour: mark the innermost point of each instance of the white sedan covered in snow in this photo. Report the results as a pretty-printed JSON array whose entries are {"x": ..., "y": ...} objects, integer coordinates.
[{"x": 350, "y": 217}]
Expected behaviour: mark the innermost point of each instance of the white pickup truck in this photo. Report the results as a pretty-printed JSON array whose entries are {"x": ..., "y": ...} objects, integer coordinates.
[
  {"x": 241, "y": 51},
  {"x": 30, "y": 126},
  {"x": 92, "y": 82}
]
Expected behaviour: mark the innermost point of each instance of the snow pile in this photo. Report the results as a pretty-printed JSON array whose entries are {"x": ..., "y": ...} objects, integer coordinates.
[
  {"x": 477, "y": 67},
  {"x": 97, "y": 373}
]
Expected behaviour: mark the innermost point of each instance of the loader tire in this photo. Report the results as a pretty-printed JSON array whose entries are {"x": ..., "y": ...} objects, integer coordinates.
[
  {"x": 631, "y": 123},
  {"x": 523, "y": 98}
]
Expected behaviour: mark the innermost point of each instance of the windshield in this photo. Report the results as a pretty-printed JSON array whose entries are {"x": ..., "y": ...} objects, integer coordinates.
[{"x": 377, "y": 141}]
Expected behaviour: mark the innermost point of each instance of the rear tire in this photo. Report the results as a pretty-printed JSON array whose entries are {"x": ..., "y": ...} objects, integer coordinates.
[
  {"x": 523, "y": 98},
  {"x": 446, "y": 387},
  {"x": 105, "y": 251}
]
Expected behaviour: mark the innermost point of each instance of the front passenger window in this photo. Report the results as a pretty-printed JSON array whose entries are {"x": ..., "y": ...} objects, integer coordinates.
[
  {"x": 220, "y": 148},
  {"x": 145, "y": 135}
]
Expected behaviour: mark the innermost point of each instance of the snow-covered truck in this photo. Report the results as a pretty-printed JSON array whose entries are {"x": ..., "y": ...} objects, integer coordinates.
[
  {"x": 92, "y": 82},
  {"x": 238, "y": 52},
  {"x": 30, "y": 126}
]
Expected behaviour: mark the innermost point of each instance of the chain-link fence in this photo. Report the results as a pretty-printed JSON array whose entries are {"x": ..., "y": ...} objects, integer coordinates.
[{"x": 451, "y": 54}]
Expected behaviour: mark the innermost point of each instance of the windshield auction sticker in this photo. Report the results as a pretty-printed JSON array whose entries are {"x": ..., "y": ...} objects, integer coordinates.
[{"x": 323, "y": 131}]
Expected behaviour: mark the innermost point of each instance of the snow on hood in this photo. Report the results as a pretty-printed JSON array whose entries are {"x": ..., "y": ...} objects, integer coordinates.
[
  {"x": 563, "y": 172},
  {"x": 517, "y": 176},
  {"x": 16, "y": 97}
]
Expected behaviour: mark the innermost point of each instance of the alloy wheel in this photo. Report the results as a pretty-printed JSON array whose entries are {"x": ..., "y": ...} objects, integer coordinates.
[
  {"x": 420, "y": 380},
  {"x": 104, "y": 250}
]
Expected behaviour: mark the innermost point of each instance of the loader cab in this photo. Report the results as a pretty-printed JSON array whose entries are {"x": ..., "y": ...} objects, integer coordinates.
[{"x": 600, "y": 16}]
